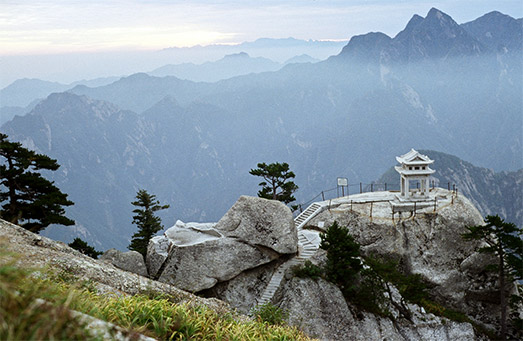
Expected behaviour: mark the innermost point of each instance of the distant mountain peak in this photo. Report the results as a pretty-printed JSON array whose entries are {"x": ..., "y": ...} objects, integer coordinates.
[
  {"x": 237, "y": 55},
  {"x": 436, "y": 13},
  {"x": 437, "y": 36},
  {"x": 498, "y": 31},
  {"x": 367, "y": 46},
  {"x": 413, "y": 22}
]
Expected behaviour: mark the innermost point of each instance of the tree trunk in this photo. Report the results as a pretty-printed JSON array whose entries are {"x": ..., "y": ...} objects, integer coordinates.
[{"x": 502, "y": 299}]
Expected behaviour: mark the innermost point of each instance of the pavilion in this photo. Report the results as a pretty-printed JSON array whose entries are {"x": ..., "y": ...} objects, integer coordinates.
[{"x": 414, "y": 167}]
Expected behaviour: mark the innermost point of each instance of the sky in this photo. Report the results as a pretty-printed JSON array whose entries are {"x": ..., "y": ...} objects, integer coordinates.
[{"x": 36, "y": 27}]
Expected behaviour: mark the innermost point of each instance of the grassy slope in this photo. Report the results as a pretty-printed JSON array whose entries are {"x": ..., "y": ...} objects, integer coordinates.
[{"x": 158, "y": 316}]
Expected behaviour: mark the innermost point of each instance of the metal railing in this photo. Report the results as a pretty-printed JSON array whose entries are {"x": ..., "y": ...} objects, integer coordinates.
[{"x": 358, "y": 188}]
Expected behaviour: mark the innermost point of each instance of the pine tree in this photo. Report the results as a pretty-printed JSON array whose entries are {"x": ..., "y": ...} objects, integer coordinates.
[
  {"x": 343, "y": 257},
  {"x": 503, "y": 240},
  {"x": 86, "y": 249},
  {"x": 148, "y": 223},
  {"x": 27, "y": 198},
  {"x": 277, "y": 184}
]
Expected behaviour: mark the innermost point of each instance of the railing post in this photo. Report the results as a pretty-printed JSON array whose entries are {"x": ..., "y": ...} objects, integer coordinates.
[
  {"x": 360, "y": 188},
  {"x": 385, "y": 187},
  {"x": 372, "y": 187},
  {"x": 322, "y": 196},
  {"x": 448, "y": 186}
]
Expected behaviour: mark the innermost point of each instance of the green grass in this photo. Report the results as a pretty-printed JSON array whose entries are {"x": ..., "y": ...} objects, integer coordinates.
[
  {"x": 158, "y": 316},
  {"x": 270, "y": 313}
]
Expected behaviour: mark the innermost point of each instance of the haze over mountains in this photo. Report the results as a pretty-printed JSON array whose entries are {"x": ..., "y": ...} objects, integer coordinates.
[
  {"x": 69, "y": 68},
  {"x": 436, "y": 85}
]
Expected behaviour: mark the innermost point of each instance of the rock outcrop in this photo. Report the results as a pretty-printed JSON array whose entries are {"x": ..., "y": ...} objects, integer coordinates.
[
  {"x": 428, "y": 243},
  {"x": 181, "y": 234},
  {"x": 196, "y": 257},
  {"x": 257, "y": 221},
  {"x": 319, "y": 309},
  {"x": 201, "y": 266},
  {"x": 131, "y": 261}
]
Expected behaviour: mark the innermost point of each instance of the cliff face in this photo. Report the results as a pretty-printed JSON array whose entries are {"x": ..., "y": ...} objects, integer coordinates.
[
  {"x": 319, "y": 308},
  {"x": 428, "y": 243}
]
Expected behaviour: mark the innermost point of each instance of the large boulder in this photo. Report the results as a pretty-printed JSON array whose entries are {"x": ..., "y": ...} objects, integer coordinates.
[
  {"x": 200, "y": 266},
  {"x": 181, "y": 234},
  {"x": 131, "y": 261},
  {"x": 262, "y": 222},
  {"x": 195, "y": 256},
  {"x": 157, "y": 253}
]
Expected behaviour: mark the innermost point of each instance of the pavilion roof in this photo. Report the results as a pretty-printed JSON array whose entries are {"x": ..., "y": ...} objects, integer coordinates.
[{"x": 413, "y": 157}]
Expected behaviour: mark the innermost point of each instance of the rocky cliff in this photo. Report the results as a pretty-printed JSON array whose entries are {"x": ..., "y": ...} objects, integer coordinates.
[
  {"x": 235, "y": 259},
  {"x": 426, "y": 241}
]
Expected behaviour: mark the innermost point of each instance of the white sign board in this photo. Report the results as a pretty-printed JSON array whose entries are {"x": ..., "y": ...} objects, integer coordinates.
[{"x": 343, "y": 182}]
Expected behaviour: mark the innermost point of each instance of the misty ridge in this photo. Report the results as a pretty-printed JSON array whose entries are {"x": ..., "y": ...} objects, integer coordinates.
[{"x": 190, "y": 132}]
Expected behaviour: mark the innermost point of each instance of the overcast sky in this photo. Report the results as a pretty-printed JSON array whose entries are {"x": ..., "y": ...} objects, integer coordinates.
[{"x": 57, "y": 26}]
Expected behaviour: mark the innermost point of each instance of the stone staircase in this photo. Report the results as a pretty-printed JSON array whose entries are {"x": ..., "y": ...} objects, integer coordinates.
[
  {"x": 305, "y": 250},
  {"x": 304, "y": 217},
  {"x": 276, "y": 279}
]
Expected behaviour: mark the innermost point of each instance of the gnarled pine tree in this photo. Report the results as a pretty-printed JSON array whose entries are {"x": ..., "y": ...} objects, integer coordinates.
[
  {"x": 27, "y": 198},
  {"x": 277, "y": 184}
]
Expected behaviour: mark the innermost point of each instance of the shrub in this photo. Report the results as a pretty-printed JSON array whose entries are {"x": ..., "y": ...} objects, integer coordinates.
[
  {"x": 308, "y": 270},
  {"x": 270, "y": 313}
]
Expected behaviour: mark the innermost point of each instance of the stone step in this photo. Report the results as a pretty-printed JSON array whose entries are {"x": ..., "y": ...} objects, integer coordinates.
[
  {"x": 304, "y": 251},
  {"x": 275, "y": 281},
  {"x": 311, "y": 211}
]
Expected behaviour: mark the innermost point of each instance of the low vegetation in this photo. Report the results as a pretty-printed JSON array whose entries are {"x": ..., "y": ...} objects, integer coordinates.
[
  {"x": 38, "y": 305},
  {"x": 270, "y": 313},
  {"x": 368, "y": 281},
  {"x": 308, "y": 270}
]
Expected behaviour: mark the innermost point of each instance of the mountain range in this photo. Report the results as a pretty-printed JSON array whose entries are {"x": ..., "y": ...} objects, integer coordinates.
[
  {"x": 231, "y": 65},
  {"x": 436, "y": 85}
]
